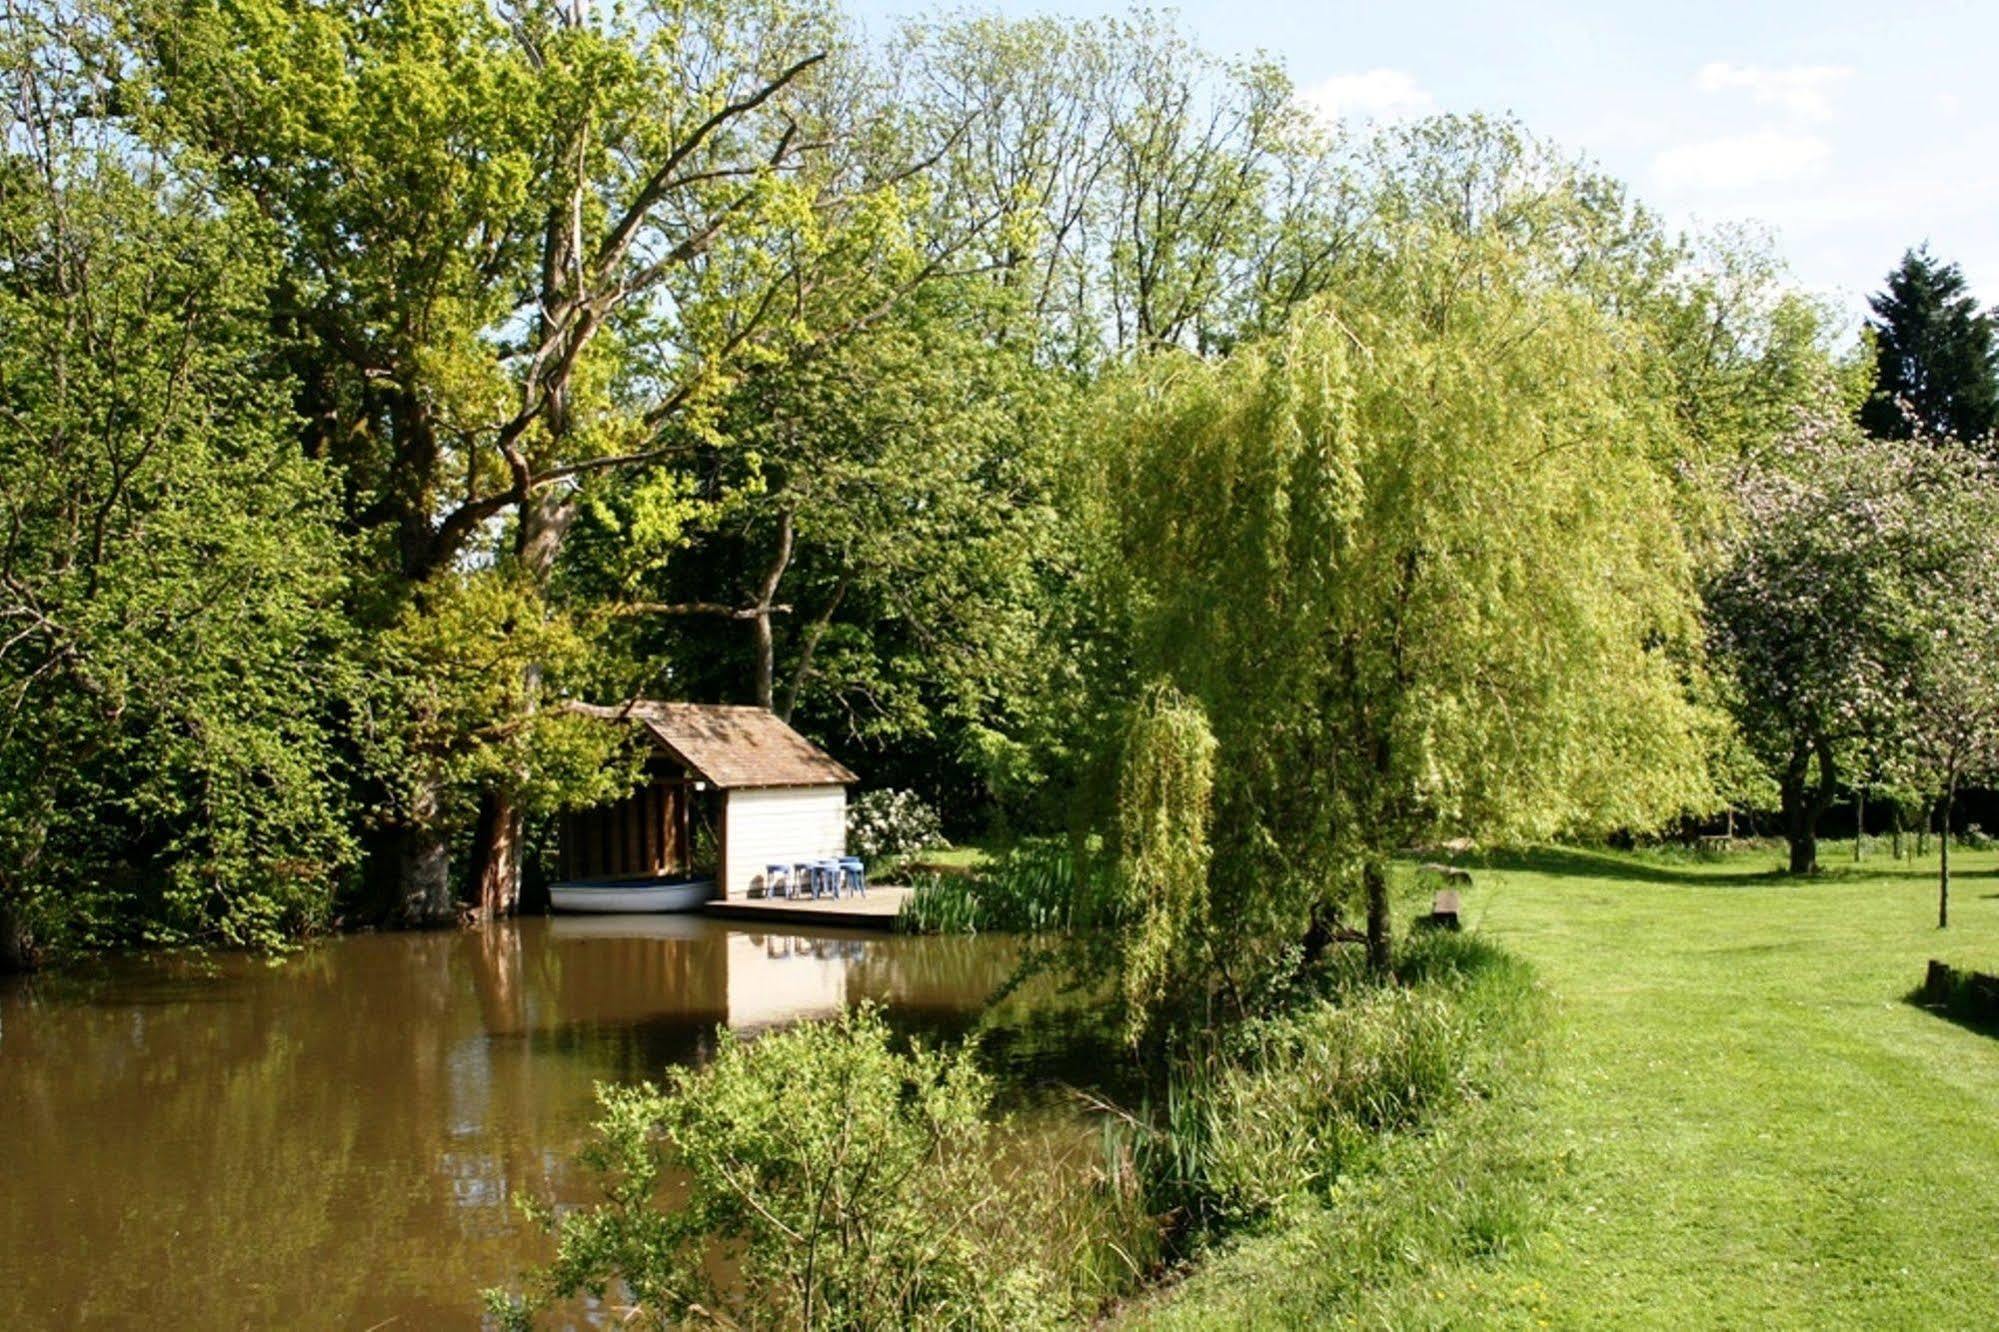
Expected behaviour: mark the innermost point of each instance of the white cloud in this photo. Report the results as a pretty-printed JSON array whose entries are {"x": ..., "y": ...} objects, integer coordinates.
[
  {"x": 1803, "y": 90},
  {"x": 1740, "y": 161},
  {"x": 1377, "y": 94}
]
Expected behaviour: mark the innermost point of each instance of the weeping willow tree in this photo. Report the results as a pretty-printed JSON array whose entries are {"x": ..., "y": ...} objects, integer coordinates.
[
  {"x": 1416, "y": 562},
  {"x": 1165, "y": 789}
]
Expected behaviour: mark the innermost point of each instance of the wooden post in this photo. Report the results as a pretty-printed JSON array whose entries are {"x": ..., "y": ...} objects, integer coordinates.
[{"x": 1943, "y": 846}]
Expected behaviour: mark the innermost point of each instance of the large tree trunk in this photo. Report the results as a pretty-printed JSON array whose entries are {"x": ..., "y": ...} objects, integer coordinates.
[
  {"x": 545, "y": 520},
  {"x": 1375, "y": 878},
  {"x": 17, "y": 945},
  {"x": 1803, "y": 802},
  {"x": 1800, "y": 828},
  {"x": 423, "y": 868},
  {"x": 496, "y": 856},
  {"x": 425, "y": 879}
]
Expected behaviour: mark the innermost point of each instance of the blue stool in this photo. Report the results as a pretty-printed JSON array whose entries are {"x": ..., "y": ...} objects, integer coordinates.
[
  {"x": 804, "y": 879},
  {"x": 773, "y": 873},
  {"x": 826, "y": 874},
  {"x": 854, "y": 873}
]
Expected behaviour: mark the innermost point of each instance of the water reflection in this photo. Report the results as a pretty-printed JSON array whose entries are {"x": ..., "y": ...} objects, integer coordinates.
[{"x": 337, "y": 1140}]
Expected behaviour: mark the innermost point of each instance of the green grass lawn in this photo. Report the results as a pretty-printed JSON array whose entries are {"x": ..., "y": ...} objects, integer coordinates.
[
  {"x": 1736, "y": 1120},
  {"x": 965, "y": 857}
]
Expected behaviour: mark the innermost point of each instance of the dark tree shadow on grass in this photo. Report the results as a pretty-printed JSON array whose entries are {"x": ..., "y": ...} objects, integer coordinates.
[
  {"x": 1639, "y": 867},
  {"x": 1577, "y": 862},
  {"x": 1951, "y": 1013}
]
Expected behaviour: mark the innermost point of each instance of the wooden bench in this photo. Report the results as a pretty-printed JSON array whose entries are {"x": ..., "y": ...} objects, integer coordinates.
[{"x": 1444, "y": 911}]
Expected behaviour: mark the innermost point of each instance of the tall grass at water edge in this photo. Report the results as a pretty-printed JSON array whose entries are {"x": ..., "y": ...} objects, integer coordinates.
[
  {"x": 1283, "y": 1111},
  {"x": 1033, "y": 887}
]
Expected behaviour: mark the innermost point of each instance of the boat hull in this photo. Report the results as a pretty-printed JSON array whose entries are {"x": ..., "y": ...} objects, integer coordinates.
[{"x": 624, "y": 899}]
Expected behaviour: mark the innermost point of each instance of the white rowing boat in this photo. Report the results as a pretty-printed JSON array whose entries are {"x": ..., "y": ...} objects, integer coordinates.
[{"x": 630, "y": 896}]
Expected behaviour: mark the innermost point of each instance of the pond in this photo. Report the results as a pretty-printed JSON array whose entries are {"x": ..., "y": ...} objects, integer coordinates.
[{"x": 337, "y": 1139}]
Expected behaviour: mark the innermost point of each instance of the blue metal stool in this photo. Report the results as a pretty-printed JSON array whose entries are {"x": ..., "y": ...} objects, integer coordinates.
[
  {"x": 826, "y": 873},
  {"x": 854, "y": 873},
  {"x": 804, "y": 879},
  {"x": 773, "y": 873}
]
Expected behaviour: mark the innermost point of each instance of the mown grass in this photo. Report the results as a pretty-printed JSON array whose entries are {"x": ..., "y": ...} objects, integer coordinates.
[
  {"x": 1741, "y": 1122},
  {"x": 961, "y": 858}
]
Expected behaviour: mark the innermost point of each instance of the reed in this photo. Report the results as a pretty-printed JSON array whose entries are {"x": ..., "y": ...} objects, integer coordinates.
[
  {"x": 1032, "y": 887},
  {"x": 1279, "y": 1111}
]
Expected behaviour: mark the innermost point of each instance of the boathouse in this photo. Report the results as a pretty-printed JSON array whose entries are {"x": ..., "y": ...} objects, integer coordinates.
[{"x": 727, "y": 789}]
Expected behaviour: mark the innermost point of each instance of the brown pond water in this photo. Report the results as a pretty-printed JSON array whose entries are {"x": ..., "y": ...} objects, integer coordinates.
[{"x": 337, "y": 1139}]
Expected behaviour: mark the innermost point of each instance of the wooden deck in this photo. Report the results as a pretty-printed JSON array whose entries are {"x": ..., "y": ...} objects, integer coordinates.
[{"x": 876, "y": 911}]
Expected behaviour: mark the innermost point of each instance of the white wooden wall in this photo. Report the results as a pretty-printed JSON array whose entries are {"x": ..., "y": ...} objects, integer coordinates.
[{"x": 780, "y": 823}]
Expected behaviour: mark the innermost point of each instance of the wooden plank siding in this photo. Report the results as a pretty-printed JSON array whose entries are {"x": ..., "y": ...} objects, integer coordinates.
[
  {"x": 642, "y": 836},
  {"x": 782, "y": 824}
]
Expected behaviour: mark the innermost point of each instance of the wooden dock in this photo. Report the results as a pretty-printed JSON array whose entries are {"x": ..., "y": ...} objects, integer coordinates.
[{"x": 876, "y": 911}]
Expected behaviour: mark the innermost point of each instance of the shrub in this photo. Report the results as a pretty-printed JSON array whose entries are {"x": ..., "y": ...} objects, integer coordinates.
[
  {"x": 852, "y": 1183},
  {"x": 892, "y": 823}
]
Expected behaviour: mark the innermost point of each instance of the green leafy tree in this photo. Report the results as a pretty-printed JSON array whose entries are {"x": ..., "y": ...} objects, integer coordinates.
[
  {"x": 1936, "y": 363},
  {"x": 864, "y": 549},
  {"x": 1151, "y": 194},
  {"x": 171, "y": 577},
  {"x": 522, "y": 250},
  {"x": 1408, "y": 560},
  {"x": 1947, "y": 673},
  {"x": 449, "y": 702}
]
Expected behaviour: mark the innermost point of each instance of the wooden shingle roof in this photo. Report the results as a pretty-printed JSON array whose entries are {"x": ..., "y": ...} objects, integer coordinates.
[{"x": 733, "y": 747}]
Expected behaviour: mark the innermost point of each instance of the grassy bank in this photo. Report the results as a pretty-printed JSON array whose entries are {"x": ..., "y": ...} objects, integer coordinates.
[
  {"x": 854, "y": 1180},
  {"x": 1742, "y": 1122}
]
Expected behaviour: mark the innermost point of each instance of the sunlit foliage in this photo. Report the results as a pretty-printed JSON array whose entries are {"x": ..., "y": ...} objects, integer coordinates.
[{"x": 1410, "y": 559}]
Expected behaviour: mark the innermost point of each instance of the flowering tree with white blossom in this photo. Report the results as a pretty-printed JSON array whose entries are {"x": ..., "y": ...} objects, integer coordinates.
[
  {"x": 1802, "y": 610},
  {"x": 1857, "y": 615}
]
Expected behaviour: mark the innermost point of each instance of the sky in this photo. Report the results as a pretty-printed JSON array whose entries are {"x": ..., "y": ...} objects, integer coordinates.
[{"x": 1853, "y": 131}]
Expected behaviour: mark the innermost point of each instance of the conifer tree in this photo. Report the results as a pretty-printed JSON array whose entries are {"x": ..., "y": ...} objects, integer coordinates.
[{"x": 1935, "y": 356}]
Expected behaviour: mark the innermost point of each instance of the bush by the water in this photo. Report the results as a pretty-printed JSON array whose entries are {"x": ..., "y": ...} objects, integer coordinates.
[
  {"x": 885, "y": 824},
  {"x": 852, "y": 1182}
]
